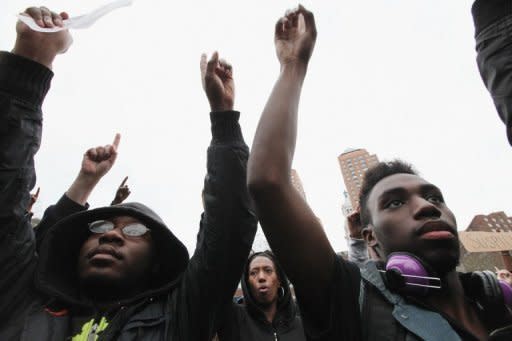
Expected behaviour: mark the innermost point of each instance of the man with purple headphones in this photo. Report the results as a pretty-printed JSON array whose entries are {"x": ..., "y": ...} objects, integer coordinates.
[{"x": 414, "y": 293}]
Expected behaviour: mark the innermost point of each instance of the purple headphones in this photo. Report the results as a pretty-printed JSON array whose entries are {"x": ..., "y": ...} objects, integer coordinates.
[
  {"x": 506, "y": 289},
  {"x": 409, "y": 275}
]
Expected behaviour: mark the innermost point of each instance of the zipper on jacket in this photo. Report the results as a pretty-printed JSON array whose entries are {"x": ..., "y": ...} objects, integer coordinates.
[
  {"x": 98, "y": 325},
  {"x": 92, "y": 333},
  {"x": 275, "y": 336}
]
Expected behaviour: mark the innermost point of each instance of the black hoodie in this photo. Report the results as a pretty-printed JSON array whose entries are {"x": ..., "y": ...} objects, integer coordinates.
[
  {"x": 39, "y": 299},
  {"x": 246, "y": 321}
]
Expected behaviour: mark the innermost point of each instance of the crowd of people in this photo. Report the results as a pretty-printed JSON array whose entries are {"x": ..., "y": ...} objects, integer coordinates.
[{"x": 119, "y": 273}]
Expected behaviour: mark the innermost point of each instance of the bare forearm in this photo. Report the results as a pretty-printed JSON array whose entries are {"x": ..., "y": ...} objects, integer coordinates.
[
  {"x": 274, "y": 142},
  {"x": 292, "y": 229},
  {"x": 41, "y": 56},
  {"x": 81, "y": 189}
]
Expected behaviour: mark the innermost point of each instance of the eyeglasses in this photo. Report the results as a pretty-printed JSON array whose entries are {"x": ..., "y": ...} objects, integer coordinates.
[{"x": 130, "y": 230}]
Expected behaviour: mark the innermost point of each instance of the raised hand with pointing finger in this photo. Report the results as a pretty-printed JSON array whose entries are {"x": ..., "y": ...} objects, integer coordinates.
[
  {"x": 33, "y": 199},
  {"x": 98, "y": 161},
  {"x": 95, "y": 164},
  {"x": 122, "y": 193}
]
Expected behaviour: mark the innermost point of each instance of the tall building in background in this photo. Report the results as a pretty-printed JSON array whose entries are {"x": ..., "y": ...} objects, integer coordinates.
[
  {"x": 297, "y": 183},
  {"x": 346, "y": 209},
  {"x": 353, "y": 164},
  {"x": 478, "y": 261}
]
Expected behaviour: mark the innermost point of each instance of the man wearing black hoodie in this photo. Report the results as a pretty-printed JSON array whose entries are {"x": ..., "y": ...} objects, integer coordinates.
[
  {"x": 114, "y": 272},
  {"x": 268, "y": 311}
]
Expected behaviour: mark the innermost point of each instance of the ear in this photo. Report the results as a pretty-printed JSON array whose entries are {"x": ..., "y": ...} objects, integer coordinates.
[
  {"x": 374, "y": 250},
  {"x": 369, "y": 236}
]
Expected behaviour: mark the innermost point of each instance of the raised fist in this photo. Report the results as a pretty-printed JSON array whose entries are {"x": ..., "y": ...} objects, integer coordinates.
[
  {"x": 42, "y": 47},
  {"x": 218, "y": 83},
  {"x": 354, "y": 227},
  {"x": 295, "y": 36}
]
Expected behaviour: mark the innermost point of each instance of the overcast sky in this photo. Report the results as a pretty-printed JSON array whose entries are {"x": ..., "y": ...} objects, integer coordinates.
[{"x": 397, "y": 77}]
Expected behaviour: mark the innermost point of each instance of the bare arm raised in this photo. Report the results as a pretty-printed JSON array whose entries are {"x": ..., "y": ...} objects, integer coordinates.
[
  {"x": 122, "y": 192},
  {"x": 293, "y": 231},
  {"x": 95, "y": 164}
]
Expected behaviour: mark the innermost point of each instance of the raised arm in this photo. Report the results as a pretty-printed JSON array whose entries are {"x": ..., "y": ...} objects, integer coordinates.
[
  {"x": 96, "y": 162},
  {"x": 228, "y": 224},
  {"x": 493, "y": 35},
  {"x": 24, "y": 81},
  {"x": 33, "y": 200},
  {"x": 292, "y": 229},
  {"x": 123, "y": 191},
  {"x": 357, "y": 249}
]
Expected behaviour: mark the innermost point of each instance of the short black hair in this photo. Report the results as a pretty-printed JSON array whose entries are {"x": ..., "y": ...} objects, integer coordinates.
[{"x": 373, "y": 176}]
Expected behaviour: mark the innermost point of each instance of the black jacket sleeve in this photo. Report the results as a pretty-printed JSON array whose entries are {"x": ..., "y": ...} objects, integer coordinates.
[
  {"x": 227, "y": 230},
  {"x": 493, "y": 33},
  {"x": 341, "y": 320},
  {"x": 23, "y": 86},
  {"x": 63, "y": 208}
]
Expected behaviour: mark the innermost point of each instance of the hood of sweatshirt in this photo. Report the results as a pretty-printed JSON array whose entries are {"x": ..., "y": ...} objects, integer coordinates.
[
  {"x": 56, "y": 273},
  {"x": 286, "y": 308}
]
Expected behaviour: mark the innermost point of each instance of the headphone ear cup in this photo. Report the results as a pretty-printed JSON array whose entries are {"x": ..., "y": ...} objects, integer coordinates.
[
  {"x": 407, "y": 273},
  {"x": 486, "y": 289},
  {"x": 506, "y": 289},
  {"x": 489, "y": 293}
]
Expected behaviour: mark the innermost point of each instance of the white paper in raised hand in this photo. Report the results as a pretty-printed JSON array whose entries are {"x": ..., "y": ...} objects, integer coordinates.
[{"x": 82, "y": 21}]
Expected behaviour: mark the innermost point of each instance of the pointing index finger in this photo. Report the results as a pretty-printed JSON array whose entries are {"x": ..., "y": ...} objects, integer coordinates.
[
  {"x": 124, "y": 182},
  {"x": 117, "y": 139},
  {"x": 212, "y": 63},
  {"x": 202, "y": 67},
  {"x": 202, "y": 63}
]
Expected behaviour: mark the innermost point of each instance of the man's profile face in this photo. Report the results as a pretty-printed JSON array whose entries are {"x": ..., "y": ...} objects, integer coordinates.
[
  {"x": 408, "y": 214},
  {"x": 263, "y": 280},
  {"x": 114, "y": 259}
]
